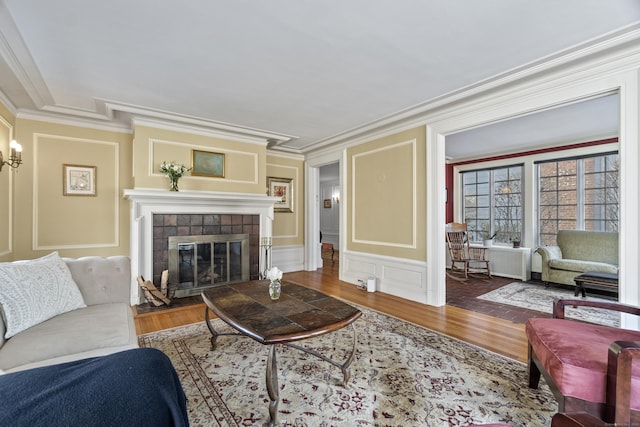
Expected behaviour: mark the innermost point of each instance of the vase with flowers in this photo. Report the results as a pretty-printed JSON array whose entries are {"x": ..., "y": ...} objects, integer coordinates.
[
  {"x": 275, "y": 276},
  {"x": 174, "y": 171}
]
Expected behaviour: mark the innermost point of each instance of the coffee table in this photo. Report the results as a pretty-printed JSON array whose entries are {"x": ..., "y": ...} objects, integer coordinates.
[{"x": 300, "y": 313}]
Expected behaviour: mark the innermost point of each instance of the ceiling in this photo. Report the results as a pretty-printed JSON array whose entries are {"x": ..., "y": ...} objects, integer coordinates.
[{"x": 298, "y": 73}]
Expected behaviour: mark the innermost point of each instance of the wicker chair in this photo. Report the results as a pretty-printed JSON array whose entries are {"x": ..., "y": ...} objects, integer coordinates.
[{"x": 465, "y": 259}]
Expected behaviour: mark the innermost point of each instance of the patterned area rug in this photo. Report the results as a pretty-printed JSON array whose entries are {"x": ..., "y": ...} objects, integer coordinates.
[
  {"x": 540, "y": 298},
  {"x": 403, "y": 375}
]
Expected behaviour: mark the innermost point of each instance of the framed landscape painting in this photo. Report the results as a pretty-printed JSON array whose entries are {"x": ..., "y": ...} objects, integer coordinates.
[
  {"x": 205, "y": 163},
  {"x": 283, "y": 189}
]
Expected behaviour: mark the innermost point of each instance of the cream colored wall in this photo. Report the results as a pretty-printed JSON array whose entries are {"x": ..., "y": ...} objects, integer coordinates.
[
  {"x": 7, "y": 177},
  {"x": 288, "y": 227},
  {"x": 242, "y": 160},
  {"x": 45, "y": 219},
  {"x": 386, "y": 190}
]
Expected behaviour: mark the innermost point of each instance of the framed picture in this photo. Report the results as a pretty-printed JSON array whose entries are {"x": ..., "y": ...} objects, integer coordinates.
[
  {"x": 283, "y": 189},
  {"x": 205, "y": 163},
  {"x": 327, "y": 203},
  {"x": 78, "y": 180}
]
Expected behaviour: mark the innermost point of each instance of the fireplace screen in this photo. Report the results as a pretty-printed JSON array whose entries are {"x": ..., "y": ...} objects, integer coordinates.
[{"x": 199, "y": 262}]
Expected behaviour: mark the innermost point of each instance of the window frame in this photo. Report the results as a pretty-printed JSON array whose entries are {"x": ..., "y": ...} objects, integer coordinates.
[
  {"x": 580, "y": 189},
  {"x": 492, "y": 205}
]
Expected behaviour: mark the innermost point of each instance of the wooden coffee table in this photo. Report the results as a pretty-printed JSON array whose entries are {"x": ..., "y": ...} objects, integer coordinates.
[{"x": 300, "y": 313}]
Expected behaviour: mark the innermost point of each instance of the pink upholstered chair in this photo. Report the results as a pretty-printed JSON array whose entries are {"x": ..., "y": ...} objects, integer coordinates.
[
  {"x": 590, "y": 368},
  {"x": 579, "y": 419}
]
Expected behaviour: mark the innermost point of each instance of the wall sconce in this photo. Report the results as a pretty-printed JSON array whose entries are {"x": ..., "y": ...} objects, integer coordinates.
[
  {"x": 336, "y": 196},
  {"x": 15, "y": 155}
]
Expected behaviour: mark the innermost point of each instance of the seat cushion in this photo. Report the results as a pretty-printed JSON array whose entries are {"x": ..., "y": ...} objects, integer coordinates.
[
  {"x": 95, "y": 330},
  {"x": 582, "y": 266},
  {"x": 575, "y": 355}
]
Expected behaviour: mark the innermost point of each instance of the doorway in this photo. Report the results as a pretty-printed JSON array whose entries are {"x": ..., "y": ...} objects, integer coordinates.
[{"x": 329, "y": 211}]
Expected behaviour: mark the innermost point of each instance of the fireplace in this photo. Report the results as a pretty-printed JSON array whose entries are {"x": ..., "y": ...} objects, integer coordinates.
[
  {"x": 158, "y": 214},
  {"x": 200, "y": 262},
  {"x": 204, "y": 250}
]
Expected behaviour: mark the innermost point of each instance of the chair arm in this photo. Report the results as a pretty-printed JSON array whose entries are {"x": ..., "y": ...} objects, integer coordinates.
[
  {"x": 549, "y": 252},
  {"x": 621, "y": 357},
  {"x": 560, "y": 303}
]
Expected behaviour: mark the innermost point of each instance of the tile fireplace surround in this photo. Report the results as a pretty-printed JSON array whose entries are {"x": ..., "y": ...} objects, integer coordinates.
[{"x": 145, "y": 203}]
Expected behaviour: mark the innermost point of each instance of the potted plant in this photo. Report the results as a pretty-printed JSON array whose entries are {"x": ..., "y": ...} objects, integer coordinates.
[
  {"x": 489, "y": 241},
  {"x": 516, "y": 242}
]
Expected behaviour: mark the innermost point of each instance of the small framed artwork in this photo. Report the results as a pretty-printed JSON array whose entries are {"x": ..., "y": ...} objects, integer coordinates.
[
  {"x": 78, "y": 180},
  {"x": 327, "y": 203},
  {"x": 283, "y": 189},
  {"x": 205, "y": 163}
]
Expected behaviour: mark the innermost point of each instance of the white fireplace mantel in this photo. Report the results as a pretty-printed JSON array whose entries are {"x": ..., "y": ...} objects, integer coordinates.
[{"x": 147, "y": 202}]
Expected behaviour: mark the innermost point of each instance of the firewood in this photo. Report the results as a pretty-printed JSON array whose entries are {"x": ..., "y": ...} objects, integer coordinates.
[
  {"x": 164, "y": 282},
  {"x": 152, "y": 293}
]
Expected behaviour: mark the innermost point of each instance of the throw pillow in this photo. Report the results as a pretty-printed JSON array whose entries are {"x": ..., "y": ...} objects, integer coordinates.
[{"x": 36, "y": 290}]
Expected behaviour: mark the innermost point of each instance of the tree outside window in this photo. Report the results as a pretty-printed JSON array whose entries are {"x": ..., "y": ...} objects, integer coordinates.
[
  {"x": 577, "y": 194},
  {"x": 492, "y": 203}
]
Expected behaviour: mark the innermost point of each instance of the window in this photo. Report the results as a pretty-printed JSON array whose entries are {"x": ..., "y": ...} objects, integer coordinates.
[
  {"x": 577, "y": 194},
  {"x": 492, "y": 203}
]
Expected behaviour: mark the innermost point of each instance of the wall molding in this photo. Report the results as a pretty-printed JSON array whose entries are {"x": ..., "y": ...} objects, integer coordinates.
[
  {"x": 414, "y": 197},
  {"x": 116, "y": 196},
  {"x": 254, "y": 156}
]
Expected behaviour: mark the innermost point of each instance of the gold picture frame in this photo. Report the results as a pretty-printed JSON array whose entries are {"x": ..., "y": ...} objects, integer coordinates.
[
  {"x": 79, "y": 180},
  {"x": 327, "y": 203},
  {"x": 282, "y": 188},
  {"x": 206, "y": 163}
]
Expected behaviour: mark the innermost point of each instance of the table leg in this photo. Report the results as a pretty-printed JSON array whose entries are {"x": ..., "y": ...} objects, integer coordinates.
[
  {"x": 272, "y": 385},
  {"x": 346, "y": 373},
  {"x": 214, "y": 334}
]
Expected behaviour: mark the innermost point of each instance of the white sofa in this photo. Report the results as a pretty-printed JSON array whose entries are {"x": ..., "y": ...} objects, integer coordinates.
[{"x": 104, "y": 326}]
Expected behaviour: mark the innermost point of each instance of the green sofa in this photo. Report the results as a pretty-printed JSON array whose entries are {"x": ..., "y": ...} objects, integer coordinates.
[{"x": 579, "y": 251}]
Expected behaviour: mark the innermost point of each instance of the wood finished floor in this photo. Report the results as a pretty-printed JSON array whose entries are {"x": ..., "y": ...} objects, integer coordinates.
[{"x": 464, "y": 317}]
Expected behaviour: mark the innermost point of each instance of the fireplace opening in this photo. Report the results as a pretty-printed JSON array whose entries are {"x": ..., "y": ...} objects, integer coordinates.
[{"x": 200, "y": 262}]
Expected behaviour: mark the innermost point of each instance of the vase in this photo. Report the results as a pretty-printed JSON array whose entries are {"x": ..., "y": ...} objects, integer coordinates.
[
  {"x": 173, "y": 186},
  {"x": 274, "y": 289}
]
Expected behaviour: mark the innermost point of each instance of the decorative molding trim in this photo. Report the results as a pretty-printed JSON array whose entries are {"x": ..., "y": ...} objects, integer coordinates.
[
  {"x": 205, "y": 128},
  {"x": 9, "y": 196},
  {"x": 116, "y": 197},
  {"x": 255, "y": 157},
  {"x": 617, "y": 47},
  {"x": 414, "y": 201},
  {"x": 288, "y": 258},
  {"x": 297, "y": 186},
  {"x": 395, "y": 276}
]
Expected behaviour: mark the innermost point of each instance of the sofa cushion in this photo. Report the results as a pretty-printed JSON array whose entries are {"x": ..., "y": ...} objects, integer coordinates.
[
  {"x": 91, "y": 331},
  {"x": 102, "y": 279},
  {"x": 582, "y": 266},
  {"x": 598, "y": 246},
  {"x": 36, "y": 290},
  {"x": 575, "y": 355}
]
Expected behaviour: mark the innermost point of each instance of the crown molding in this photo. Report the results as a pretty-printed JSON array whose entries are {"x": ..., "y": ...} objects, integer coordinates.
[{"x": 618, "y": 47}]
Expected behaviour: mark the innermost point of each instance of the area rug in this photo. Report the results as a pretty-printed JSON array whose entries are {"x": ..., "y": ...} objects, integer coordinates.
[
  {"x": 540, "y": 298},
  {"x": 402, "y": 375}
]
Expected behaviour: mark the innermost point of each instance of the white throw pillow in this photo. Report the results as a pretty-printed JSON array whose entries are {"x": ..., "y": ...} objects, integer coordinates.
[{"x": 36, "y": 290}]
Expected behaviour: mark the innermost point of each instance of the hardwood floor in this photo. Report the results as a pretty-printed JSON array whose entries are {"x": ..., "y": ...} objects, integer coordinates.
[{"x": 497, "y": 335}]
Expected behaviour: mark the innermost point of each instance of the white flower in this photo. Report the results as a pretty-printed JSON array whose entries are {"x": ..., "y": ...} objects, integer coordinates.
[
  {"x": 274, "y": 274},
  {"x": 173, "y": 170}
]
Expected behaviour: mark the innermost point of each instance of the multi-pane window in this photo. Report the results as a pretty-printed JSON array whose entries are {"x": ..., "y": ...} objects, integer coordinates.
[
  {"x": 577, "y": 194},
  {"x": 492, "y": 203}
]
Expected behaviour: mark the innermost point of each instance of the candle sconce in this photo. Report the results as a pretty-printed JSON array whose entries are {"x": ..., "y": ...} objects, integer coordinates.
[{"x": 15, "y": 156}]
